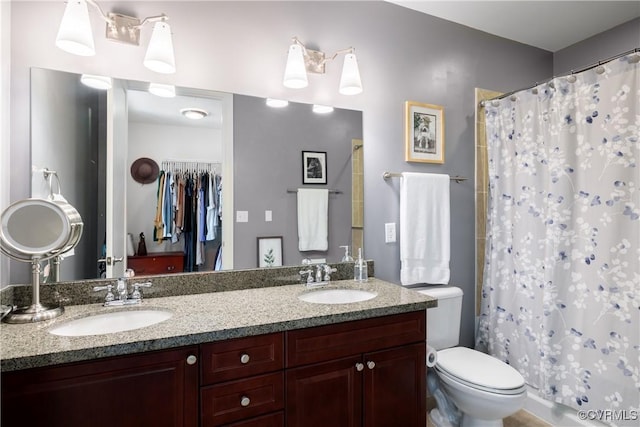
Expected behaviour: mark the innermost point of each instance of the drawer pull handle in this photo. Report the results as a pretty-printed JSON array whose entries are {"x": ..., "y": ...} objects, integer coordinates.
[
  {"x": 244, "y": 359},
  {"x": 371, "y": 364},
  {"x": 245, "y": 401},
  {"x": 191, "y": 360},
  {"x": 359, "y": 366}
]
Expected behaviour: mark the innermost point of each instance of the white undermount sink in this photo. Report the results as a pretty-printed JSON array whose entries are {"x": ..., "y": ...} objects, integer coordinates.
[
  {"x": 337, "y": 296},
  {"x": 109, "y": 323}
]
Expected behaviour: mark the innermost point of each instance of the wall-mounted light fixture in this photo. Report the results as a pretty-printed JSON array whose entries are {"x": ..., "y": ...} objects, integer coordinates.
[
  {"x": 276, "y": 103},
  {"x": 96, "y": 82},
  {"x": 163, "y": 90},
  {"x": 301, "y": 61},
  {"x": 75, "y": 35}
]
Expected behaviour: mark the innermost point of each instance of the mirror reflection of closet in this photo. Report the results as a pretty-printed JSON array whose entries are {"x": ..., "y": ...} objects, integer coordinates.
[{"x": 92, "y": 137}]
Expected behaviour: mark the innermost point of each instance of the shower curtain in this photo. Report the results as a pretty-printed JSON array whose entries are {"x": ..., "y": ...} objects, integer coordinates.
[{"x": 561, "y": 289}]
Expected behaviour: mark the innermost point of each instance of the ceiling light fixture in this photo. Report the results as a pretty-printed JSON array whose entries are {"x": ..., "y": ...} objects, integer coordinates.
[
  {"x": 301, "y": 61},
  {"x": 194, "y": 113},
  {"x": 277, "y": 103},
  {"x": 96, "y": 82},
  {"x": 75, "y": 35},
  {"x": 163, "y": 90}
]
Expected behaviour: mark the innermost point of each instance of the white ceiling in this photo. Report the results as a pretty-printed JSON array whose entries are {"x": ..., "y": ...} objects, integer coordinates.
[
  {"x": 144, "y": 107},
  {"x": 549, "y": 25}
]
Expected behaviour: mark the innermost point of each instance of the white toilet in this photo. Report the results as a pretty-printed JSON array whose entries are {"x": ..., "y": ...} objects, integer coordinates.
[{"x": 483, "y": 388}]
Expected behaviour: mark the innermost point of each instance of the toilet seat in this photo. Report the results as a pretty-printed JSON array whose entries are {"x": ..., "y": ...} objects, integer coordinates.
[{"x": 479, "y": 371}]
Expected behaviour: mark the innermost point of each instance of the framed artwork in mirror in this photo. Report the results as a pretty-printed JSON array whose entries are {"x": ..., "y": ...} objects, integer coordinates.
[
  {"x": 424, "y": 132},
  {"x": 270, "y": 251},
  {"x": 314, "y": 167}
]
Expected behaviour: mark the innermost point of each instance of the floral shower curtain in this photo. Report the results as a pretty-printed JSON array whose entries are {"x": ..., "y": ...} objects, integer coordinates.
[{"x": 561, "y": 289}]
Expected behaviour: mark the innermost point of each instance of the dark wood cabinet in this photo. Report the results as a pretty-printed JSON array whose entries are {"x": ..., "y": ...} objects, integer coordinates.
[
  {"x": 150, "y": 389},
  {"x": 157, "y": 263},
  {"x": 367, "y": 373},
  {"x": 242, "y": 379},
  {"x": 325, "y": 394},
  {"x": 382, "y": 382},
  {"x": 394, "y": 384}
]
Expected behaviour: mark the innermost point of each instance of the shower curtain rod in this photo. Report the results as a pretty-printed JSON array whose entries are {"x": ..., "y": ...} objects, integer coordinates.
[{"x": 588, "y": 67}]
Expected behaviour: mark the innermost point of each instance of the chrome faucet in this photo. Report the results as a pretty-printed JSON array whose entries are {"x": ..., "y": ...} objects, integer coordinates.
[
  {"x": 122, "y": 292},
  {"x": 122, "y": 289},
  {"x": 321, "y": 277}
]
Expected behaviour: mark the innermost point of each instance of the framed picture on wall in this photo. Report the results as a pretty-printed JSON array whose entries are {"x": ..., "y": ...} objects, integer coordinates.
[
  {"x": 314, "y": 167},
  {"x": 424, "y": 132},
  {"x": 270, "y": 251}
]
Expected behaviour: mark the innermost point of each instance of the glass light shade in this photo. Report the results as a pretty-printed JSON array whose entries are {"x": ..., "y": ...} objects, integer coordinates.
[
  {"x": 350, "y": 83},
  {"x": 96, "y": 82},
  {"x": 163, "y": 90},
  {"x": 322, "y": 109},
  {"x": 277, "y": 103},
  {"x": 74, "y": 35},
  {"x": 295, "y": 73},
  {"x": 159, "y": 56}
]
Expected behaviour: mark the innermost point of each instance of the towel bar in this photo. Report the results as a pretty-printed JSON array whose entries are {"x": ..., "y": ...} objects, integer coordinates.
[
  {"x": 295, "y": 190},
  {"x": 388, "y": 175}
]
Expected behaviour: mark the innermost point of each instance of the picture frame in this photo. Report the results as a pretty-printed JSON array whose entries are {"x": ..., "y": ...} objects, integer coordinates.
[
  {"x": 424, "y": 132},
  {"x": 314, "y": 167},
  {"x": 270, "y": 251}
]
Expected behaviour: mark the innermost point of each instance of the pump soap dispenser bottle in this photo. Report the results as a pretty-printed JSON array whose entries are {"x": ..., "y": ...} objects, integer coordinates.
[
  {"x": 346, "y": 257},
  {"x": 360, "y": 273}
]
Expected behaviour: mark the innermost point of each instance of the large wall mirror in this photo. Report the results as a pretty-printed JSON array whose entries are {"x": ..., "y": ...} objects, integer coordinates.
[{"x": 91, "y": 138}]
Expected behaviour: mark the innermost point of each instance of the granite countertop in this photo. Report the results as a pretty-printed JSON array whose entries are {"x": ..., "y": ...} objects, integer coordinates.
[{"x": 197, "y": 319}]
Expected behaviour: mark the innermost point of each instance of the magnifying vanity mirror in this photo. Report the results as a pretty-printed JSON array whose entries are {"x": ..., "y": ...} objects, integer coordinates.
[
  {"x": 35, "y": 230},
  {"x": 92, "y": 137}
]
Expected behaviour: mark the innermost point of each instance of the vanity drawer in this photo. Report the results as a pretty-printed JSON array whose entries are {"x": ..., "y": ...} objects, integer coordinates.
[
  {"x": 242, "y": 357},
  {"x": 330, "y": 342},
  {"x": 159, "y": 263},
  {"x": 241, "y": 399},
  {"x": 271, "y": 420}
]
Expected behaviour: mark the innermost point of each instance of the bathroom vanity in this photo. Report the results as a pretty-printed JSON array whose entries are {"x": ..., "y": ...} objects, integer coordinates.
[{"x": 253, "y": 357}]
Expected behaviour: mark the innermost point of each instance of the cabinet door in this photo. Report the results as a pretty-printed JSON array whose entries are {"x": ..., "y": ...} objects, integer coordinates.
[
  {"x": 395, "y": 387},
  {"x": 151, "y": 389},
  {"x": 325, "y": 394}
]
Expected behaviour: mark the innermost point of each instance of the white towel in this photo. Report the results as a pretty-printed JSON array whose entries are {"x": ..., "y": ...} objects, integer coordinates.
[
  {"x": 313, "y": 216},
  {"x": 424, "y": 229}
]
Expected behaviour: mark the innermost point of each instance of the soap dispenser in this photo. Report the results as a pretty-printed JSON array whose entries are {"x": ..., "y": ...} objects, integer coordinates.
[
  {"x": 360, "y": 273},
  {"x": 346, "y": 257}
]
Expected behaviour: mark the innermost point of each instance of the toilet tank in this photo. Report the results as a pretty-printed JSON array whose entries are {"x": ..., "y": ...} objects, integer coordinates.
[{"x": 443, "y": 321}]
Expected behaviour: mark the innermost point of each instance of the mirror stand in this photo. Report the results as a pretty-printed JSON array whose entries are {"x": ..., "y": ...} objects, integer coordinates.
[{"x": 36, "y": 312}]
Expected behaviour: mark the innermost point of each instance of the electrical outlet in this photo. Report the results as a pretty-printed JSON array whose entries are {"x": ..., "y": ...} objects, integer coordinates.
[
  {"x": 242, "y": 216},
  {"x": 390, "y": 232}
]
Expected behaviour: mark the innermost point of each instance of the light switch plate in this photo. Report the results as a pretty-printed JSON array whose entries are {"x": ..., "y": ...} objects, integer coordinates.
[
  {"x": 268, "y": 216},
  {"x": 390, "y": 232}
]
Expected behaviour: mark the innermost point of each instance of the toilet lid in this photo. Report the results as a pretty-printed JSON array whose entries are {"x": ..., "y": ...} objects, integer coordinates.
[{"x": 474, "y": 367}]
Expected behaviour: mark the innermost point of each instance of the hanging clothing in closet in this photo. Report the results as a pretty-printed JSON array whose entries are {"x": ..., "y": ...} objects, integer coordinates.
[{"x": 189, "y": 211}]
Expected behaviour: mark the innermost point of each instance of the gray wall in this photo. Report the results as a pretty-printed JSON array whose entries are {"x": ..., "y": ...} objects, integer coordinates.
[
  {"x": 241, "y": 47},
  {"x": 597, "y": 48},
  {"x": 65, "y": 139},
  {"x": 268, "y": 142}
]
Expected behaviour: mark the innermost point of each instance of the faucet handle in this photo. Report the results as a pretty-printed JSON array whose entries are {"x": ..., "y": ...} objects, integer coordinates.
[
  {"x": 136, "y": 289},
  {"x": 327, "y": 272},
  {"x": 309, "y": 273},
  {"x": 109, "y": 288}
]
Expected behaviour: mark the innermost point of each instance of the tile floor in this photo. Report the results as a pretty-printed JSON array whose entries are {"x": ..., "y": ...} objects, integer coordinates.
[{"x": 521, "y": 418}]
